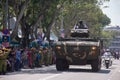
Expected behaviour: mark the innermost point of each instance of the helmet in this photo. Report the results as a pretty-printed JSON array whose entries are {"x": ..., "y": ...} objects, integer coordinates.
[
  {"x": 80, "y": 21},
  {"x": 5, "y": 49},
  {"x": 107, "y": 50}
]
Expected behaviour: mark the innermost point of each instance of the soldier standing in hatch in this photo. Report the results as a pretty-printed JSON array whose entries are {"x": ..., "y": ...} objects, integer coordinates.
[{"x": 81, "y": 25}]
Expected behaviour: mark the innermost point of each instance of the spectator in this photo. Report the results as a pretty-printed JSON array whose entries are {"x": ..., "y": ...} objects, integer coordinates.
[
  {"x": 25, "y": 58},
  {"x": 18, "y": 59},
  {"x": 11, "y": 58}
]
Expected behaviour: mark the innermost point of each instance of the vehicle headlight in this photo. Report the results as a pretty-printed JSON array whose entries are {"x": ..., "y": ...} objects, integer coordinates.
[
  {"x": 58, "y": 47},
  {"x": 93, "y": 48}
]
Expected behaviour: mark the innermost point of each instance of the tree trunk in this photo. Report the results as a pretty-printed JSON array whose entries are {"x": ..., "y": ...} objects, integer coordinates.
[
  {"x": 50, "y": 25},
  {"x": 25, "y": 33},
  {"x": 18, "y": 20}
]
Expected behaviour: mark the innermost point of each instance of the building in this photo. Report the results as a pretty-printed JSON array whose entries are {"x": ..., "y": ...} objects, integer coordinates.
[{"x": 115, "y": 44}]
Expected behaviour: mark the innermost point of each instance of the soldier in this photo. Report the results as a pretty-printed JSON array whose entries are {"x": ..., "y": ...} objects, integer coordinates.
[
  {"x": 3, "y": 58},
  {"x": 50, "y": 55},
  {"x": 45, "y": 54},
  {"x": 41, "y": 56},
  {"x": 37, "y": 58},
  {"x": 33, "y": 51},
  {"x": 81, "y": 25},
  {"x": 11, "y": 59}
]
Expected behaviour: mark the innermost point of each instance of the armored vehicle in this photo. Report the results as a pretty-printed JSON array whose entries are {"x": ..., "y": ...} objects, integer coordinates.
[{"x": 78, "y": 50}]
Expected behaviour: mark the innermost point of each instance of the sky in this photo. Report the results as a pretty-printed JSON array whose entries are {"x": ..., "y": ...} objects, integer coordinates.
[{"x": 113, "y": 11}]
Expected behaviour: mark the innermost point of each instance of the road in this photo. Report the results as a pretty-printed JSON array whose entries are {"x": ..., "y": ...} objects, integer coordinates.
[{"x": 75, "y": 73}]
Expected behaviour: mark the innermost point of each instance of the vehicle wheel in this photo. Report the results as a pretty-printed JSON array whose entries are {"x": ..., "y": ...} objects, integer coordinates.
[
  {"x": 61, "y": 65},
  {"x": 96, "y": 65},
  {"x": 66, "y": 65}
]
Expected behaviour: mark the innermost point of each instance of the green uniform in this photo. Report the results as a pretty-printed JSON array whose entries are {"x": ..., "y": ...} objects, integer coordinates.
[
  {"x": 3, "y": 63},
  {"x": 41, "y": 57},
  {"x": 50, "y": 56},
  {"x": 45, "y": 53}
]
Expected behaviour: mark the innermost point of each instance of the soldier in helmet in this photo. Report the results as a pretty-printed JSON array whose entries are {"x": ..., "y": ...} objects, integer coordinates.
[
  {"x": 81, "y": 25},
  {"x": 3, "y": 58}
]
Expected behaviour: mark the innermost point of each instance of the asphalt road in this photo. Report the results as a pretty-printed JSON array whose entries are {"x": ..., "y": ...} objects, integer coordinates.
[{"x": 75, "y": 73}]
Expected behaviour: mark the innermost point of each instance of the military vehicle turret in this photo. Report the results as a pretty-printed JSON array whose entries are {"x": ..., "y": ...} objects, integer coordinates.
[{"x": 78, "y": 50}]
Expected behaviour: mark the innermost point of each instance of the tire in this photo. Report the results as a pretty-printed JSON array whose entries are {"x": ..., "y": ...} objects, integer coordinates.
[
  {"x": 61, "y": 65},
  {"x": 96, "y": 65},
  {"x": 66, "y": 65}
]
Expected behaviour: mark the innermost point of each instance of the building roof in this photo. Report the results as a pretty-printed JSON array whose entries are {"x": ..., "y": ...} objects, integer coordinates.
[{"x": 116, "y": 28}]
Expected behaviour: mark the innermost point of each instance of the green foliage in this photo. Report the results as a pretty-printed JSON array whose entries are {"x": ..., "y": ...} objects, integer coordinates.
[
  {"x": 71, "y": 10},
  {"x": 86, "y": 10},
  {"x": 107, "y": 36}
]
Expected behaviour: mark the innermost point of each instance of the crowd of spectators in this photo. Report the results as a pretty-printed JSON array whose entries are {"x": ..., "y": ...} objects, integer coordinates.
[{"x": 29, "y": 58}]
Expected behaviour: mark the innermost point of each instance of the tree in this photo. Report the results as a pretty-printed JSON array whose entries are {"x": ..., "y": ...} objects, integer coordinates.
[
  {"x": 32, "y": 14},
  {"x": 87, "y": 10}
]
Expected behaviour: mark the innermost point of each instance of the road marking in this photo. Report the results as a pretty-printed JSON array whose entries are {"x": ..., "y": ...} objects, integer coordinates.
[{"x": 49, "y": 77}]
